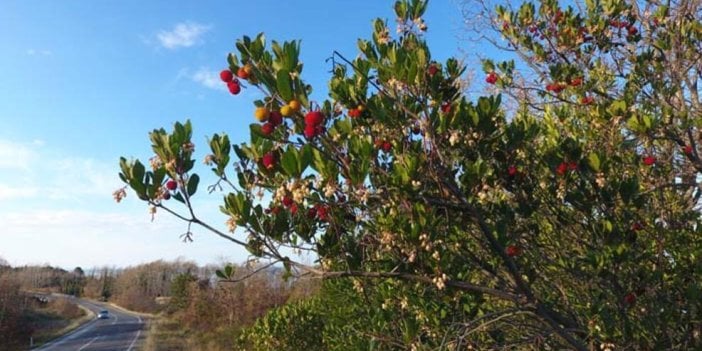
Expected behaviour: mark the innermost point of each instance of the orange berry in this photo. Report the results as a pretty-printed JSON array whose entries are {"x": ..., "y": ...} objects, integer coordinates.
[
  {"x": 286, "y": 110},
  {"x": 294, "y": 105},
  {"x": 261, "y": 114}
]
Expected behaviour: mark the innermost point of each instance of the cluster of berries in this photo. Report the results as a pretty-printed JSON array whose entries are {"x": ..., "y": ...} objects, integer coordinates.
[
  {"x": 233, "y": 83},
  {"x": 171, "y": 185},
  {"x": 564, "y": 167},
  {"x": 314, "y": 124},
  {"x": 272, "y": 119},
  {"x": 319, "y": 211},
  {"x": 356, "y": 112},
  {"x": 290, "y": 205},
  {"x": 630, "y": 29},
  {"x": 384, "y": 145}
]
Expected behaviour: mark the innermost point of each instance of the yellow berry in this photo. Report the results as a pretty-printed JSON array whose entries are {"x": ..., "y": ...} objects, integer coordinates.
[
  {"x": 294, "y": 105},
  {"x": 286, "y": 110},
  {"x": 261, "y": 114}
]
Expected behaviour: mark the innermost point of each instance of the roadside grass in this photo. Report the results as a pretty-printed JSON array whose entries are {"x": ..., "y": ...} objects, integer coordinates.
[
  {"x": 167, "y": 334},
  {"x": 57, "y": 318}
]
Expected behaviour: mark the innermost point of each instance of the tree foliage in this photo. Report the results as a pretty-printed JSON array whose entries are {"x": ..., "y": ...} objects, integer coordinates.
[{"x": 567, "y": 222}]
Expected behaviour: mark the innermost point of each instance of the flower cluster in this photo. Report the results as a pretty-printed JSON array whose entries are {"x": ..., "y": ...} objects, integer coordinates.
[
  {"x": 440, "y": 281},
  {"x": 299, "y": 189},
  {"x": 119, "y": 194}
]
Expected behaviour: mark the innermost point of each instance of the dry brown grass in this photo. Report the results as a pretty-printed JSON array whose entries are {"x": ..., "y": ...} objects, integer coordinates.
[{"x": 56, "y": 318}]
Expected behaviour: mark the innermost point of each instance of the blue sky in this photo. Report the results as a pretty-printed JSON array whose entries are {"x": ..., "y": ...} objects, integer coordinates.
[{"x": 82, "y": 83}]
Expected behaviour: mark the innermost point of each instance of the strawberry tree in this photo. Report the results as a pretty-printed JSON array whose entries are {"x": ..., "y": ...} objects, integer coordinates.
[{"x": 568, "y": 222}]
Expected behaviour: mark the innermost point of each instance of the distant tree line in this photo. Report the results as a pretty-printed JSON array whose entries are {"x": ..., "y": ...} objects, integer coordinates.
[{"x": 213, "y": 312}]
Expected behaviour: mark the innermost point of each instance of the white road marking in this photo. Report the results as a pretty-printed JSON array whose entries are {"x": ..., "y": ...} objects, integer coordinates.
[
  {"x": 72, "y": 335},
  {"x": 89, "y": 326},
  {"x": 90, "y": 342},
  {"x": 134, "y": 341}
]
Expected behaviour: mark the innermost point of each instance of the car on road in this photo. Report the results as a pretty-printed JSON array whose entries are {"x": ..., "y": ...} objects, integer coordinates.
[{"x": 104, "y": 314}]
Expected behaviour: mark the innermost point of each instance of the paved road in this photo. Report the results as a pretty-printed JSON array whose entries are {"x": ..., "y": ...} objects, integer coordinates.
[{"x": 123, "y": 331}]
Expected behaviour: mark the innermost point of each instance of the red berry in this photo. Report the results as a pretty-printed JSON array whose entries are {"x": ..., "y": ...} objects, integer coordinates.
[
  {"x": 432, "y": 70},
  {"x": 276, "y": 210},
  {"x": 267, "y": 128},
  {"x": 267, "y": 211},
  {"x": 618, "y": 24},
  {"x": 577, "y": 81},
  {"x": 287, "y": 201},
  {"x": 649, "y": 160},
  {"x": 586, "y": 100},
  {"x": 559, "y": 15},
  {"x": 319, "y": 130},
  {"x": 386, "y": 146},
  {"x": 314, "y": 118},
  {"x": 555, "y": 87},
  {"x": 310, "y": 131},
  {"x": 636, "y": 226},
  {"x": 632, "y": 30},
  {"x": 234, "y": 87},
  {"x": 293, "y": 209},
  {"x": 512, "y": 171},
  {"x": 226, "y": 76},
  {"x": 354, "y": 113},
  {"x": 491, "y": 78},
  {"x": 513, "y": 251},
  {"x": 311, "y": 212},
  {"x": 446, "y": 107},
  {"x": 572, "y": 166},
  {"x": 171, "y": 184},
  {"x": 275, "y": 118},
  {"x": 630, "y": 298},
  {"x": 687, "y": 149},
  {"x": 269, "y": 160},
  {"x": 561, "y": 168},
  {"x": 322, "y": 213},
  {"x": 166, "y": 196}
]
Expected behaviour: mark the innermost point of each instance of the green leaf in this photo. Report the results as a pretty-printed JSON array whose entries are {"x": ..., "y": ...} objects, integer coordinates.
[
  {"x": 179, "y": 197},
  {"x": 305, "y": 158},
  {"x": 290, "y": 163},
  {"x": 318, "y": 162},
  {"x": 229, "y": 271},
  {"x": 284, "y": 85},
  {"x": 594, "y": 162},
  {"x": 192, "y": 184}
]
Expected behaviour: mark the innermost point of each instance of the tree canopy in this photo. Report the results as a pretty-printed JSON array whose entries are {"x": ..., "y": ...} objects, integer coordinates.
[{"x": 570, "y": 221}]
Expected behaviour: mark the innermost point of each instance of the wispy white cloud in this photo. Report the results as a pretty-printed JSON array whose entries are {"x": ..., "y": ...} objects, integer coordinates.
[
  {"x": 76, "y": 178},
  {"x": 39, "y": 52},
  {"x": 31, "y": 171},
  {"x": 31, "y": 221},
  {"x": 184, "y": 34},
  {"x": 16, "y": 156},
  {"x": 57, "y": 208},
  {"x": 17, "y": 192},
  {"x": 208, "y": 78}
]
